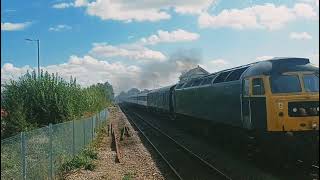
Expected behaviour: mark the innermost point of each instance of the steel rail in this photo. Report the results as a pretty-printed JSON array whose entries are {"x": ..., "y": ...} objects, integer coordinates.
[
  {"x": 154, "y": 147},
  {"x": 181, "y": 146},
  {"x": 185, "y": 148}
]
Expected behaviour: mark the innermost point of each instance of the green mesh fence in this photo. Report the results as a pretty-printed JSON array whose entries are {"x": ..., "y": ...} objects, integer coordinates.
[{"x": 39, "y": 154}]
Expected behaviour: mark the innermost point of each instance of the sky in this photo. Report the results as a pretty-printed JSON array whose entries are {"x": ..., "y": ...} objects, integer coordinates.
[{"x": 147, "y": 44}]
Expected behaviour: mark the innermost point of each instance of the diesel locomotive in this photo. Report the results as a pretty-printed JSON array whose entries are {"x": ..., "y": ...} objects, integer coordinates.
[{"x": 275, "y": 102}]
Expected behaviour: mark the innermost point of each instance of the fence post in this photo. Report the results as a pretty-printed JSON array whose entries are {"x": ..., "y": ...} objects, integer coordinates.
[
  {"x": 50, "y": 157},
  {"x": 23, "y": 156},
  {"x": 84, "y": 132},
  {"x": 98, "y": 120},
  {"x": 92, "y": 130},
  {"x": 73, "y": 140}
]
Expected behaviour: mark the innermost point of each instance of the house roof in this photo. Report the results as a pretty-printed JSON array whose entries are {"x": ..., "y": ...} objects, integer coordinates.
[{"x": 193, "y": 73}]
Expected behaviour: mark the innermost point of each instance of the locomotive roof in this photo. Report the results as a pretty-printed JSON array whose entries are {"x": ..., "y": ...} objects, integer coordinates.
[
  {"x": 274, "y": 65},
  {"x": 266, "y": 67},
  {"x": 280, "y": 65}
]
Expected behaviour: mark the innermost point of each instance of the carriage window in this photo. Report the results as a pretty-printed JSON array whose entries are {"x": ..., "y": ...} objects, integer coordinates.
[
  {"x": 257, "y": 86},
  {"x": 235, "y": 75},
  {"x": 221, "y": 77},
  {"x": 311, "y": 82}
]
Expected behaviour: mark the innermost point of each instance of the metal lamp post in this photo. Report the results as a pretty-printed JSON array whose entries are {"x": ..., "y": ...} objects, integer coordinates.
[{"x": 38, "y": 44}]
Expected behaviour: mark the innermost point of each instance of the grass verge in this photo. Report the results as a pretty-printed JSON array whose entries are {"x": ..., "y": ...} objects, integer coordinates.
[{"x": 85, "y": 159}]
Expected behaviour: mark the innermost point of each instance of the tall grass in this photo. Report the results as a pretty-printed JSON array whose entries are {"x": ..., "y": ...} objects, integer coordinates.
[{"x": 35, "y": 101}]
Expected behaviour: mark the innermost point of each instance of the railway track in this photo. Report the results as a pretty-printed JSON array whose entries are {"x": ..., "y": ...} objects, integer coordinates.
[{"x": 183, "y": 162}]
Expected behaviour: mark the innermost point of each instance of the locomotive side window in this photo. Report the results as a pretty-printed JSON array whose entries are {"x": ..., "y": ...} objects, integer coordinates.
[
  {"x": 179, "y": 86},
  {"x": 221, "y": 77},
  {"x": 236, "y": 74},
  {"x": 188, "y": 84},
  {"x": 197, "y": 82},
  {"x": 257, "y": 86},
  {"x": 207, "y": 80},
  {"x": 246, "y": 87}
]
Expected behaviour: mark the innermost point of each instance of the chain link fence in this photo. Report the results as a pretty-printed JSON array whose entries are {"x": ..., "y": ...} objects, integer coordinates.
[{"x": 38, "y": 154}]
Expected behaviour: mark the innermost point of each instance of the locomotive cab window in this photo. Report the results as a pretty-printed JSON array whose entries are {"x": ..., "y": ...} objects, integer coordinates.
[
  {"x": 285, "y": 84},
  {"x": 311, "y": 82},
  {"x": 257, "y": 86}
]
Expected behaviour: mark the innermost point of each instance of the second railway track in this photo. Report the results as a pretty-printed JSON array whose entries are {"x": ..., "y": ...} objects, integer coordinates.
[{"x": 182, "y": 161}]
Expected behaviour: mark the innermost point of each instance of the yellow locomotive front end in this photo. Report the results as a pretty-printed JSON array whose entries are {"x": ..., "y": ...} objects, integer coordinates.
[
  {"x": 293, "y": 103},
  {"x": 292, "y": 100}
]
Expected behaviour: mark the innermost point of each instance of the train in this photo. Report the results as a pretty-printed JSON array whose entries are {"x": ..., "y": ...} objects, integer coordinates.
[{"x": 275, "y": 102}]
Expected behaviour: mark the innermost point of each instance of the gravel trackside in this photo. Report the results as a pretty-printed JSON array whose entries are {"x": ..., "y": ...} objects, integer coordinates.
[{"x": 136, "y": 162}]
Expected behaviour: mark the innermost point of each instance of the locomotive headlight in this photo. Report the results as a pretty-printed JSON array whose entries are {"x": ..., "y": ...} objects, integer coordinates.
[
  {"x": 314, "y": 125},
  {"x": 294, "y": 109},
  {"x": 318, "y": 109}
]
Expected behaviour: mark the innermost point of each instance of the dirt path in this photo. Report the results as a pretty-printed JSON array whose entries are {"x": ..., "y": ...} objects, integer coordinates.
[{"x": 136, "y": 162}]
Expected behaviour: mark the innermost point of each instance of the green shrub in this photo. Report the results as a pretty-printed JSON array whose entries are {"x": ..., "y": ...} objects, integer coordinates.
[
  {"x": 82, "y": 160},
  {"x": 35, "y": 101},
  {"x": 128, "y": 176},
  {"x": 90, "y": 153}
]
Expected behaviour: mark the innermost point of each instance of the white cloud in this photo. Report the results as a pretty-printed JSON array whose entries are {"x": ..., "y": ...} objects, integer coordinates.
[
  {"x": 60, "y": 27},
  {"x": 262, "y": 58},
  {"x": 138, "y": 51},
  {"x": 87, "y": 70},
  {"x": 118, "y": 10},
  {"x": 179, "y": 35},
  {"x": 62, "y": 5},
  {"x": 314, "y": 59},
  {"x": 315, "y": 2},
  {"x": 128, "y": 10},
  {"x": 300, "y": 35},
  {"x": 304, "y": 10},
  {"x": 267, "y": 16},
  {"x": 90, "y": 70},
  {"x": 7, "y": 26},
  {"x": 128, "y": 51},
  {"x": 216, "y": 65},
  {"x": 80, "y": 3},
  {"x": 77, "y": 3}
]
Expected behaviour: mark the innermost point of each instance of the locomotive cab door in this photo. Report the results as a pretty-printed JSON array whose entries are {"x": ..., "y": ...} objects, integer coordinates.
[
  {"x": 254, "y": 113},
  {"x": 245, "y": 104}
]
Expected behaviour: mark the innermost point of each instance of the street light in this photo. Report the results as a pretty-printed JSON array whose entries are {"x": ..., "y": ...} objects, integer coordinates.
[{"x": 38, "y": 43}]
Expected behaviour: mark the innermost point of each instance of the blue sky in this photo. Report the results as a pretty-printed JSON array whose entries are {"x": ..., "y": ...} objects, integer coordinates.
[{"x": 147, "y": 44}]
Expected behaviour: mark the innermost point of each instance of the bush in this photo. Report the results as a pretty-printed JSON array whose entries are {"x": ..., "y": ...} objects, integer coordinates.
[
  {"x": 82, "y": 160},
  {"x": 35, "y": 101},
  {"x": 127, "y": 176},
  {"x": 89, "y": 152}
]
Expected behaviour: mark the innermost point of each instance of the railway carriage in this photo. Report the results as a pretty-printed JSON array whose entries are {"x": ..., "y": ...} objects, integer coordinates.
[
  {"x": 160, "y": 100},
  {"x": 137, "y": 100}
]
